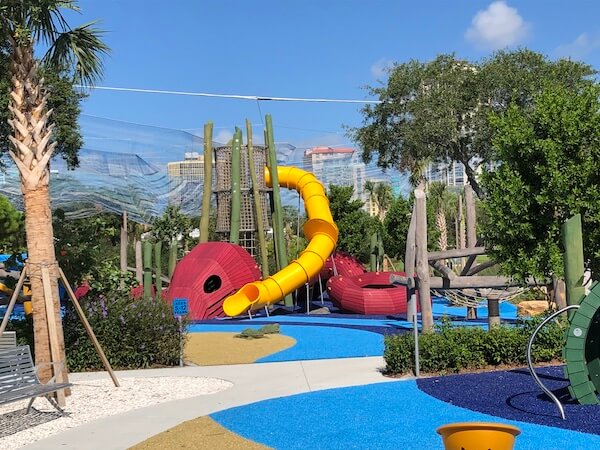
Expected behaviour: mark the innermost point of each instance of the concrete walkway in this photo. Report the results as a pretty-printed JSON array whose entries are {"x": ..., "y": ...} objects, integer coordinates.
[{"x": 252, "y": 383}]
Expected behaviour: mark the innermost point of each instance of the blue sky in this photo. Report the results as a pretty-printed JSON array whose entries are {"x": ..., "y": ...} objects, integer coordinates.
[{"x": 310, "y": 48}]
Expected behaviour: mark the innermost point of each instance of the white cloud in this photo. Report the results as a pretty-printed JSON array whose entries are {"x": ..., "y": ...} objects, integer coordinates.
[
  {"x": 580, "y": 47},
  {"x": 378, "y": 69},
  {"x": 497, "y": 27},
  {"x": 223, "y": 136}
]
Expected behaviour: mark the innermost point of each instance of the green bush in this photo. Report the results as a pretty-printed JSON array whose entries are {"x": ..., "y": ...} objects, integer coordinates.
[
  {"x": 257, "y": 333},
  {"x": 23, "y": 329},
  {"x": 134, "y": 334},
  {"x": 454, "y": 349}
]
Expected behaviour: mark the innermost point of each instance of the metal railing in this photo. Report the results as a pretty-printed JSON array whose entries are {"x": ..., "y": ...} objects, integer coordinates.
[{"x": 530, "y": 363}]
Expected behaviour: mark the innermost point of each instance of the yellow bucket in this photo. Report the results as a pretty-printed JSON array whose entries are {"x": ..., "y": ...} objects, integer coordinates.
[
  {"x": 27, "y": 307},
  {"x": 478, "y": 436}
]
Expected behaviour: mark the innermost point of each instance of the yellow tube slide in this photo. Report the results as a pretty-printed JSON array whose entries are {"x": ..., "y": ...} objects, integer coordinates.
[{"x": 319, "y": 229}]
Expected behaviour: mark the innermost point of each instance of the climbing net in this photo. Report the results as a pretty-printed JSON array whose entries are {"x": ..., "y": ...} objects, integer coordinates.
[{"x": 473, "y": 297}]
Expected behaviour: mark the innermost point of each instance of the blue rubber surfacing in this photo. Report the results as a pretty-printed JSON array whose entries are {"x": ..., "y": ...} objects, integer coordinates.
[
  {"x": 313, "y": 342},
  {"x": 395, "y": 415}
]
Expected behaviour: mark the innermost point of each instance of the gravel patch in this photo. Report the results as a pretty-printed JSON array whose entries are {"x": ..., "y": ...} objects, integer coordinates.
[{"x": 94, "y": 399}]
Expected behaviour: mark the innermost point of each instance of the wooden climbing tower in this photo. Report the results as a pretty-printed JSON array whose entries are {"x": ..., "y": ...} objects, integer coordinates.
[{"x": 248, "y": 228}]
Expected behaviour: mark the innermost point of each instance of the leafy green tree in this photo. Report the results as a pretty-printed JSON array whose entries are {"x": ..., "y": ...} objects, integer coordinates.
[
  {"x": 395, "y": 227},
  {"x": 83, "y": 245},
  {"x": 549, "y": 172},
  {"x": 171, "y": 225},
  {"x": 293, "y": 219},
  {"x": 340, "y": 201},
  {"x": 354, "y": 224},
  {"x": 438, "y": 111},
  {"x": 11, "y": 228}
]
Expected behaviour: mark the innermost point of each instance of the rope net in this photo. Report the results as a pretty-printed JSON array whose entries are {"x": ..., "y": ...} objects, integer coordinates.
[{"x": 474, "y": 297}]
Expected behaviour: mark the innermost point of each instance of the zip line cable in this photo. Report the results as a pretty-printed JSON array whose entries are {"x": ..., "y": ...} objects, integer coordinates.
[{"x": 232, "y": 96}]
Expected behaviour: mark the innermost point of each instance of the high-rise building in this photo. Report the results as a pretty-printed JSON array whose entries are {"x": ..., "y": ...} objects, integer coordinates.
[
  {"x": 186, "y": 180},
  {"x": 453, "y": 174},
  {"x": 338, "y": 166}
]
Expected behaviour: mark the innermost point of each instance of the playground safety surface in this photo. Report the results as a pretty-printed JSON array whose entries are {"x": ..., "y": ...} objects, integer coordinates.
[
  {"x": 311, "y": 401},
  {"x": 402, "y": 414}
]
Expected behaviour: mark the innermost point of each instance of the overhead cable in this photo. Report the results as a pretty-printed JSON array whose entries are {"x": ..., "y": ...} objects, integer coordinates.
[{"x": 233, "y": 96}]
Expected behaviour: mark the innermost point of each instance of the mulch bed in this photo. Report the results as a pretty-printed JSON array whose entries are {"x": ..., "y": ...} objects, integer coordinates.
[{"x": 514, "y": 395}]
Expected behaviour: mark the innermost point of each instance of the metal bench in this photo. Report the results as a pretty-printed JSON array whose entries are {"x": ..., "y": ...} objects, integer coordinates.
[
  {"x": 19, "y": 380},
  {"x": 8, "y": 339}
]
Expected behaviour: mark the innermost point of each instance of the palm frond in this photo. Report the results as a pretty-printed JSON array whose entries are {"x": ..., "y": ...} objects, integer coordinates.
[
  {"x": 80, "y": 49},
  {"x": 44, "y": 18},
  {"x": 41, "y": 20}
]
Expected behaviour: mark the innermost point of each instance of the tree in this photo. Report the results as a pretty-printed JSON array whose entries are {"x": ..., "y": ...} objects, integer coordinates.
[
  {"x": 171, "y": 225},
  {"x": 83, "y": 245},
  {"x": 380, "y": 193},
  {"x": 64, "y": 101},
  {"x": 438, "y": 111},
  {"x": 395, "y": 227},
  {"x": 549, "y": 172},
  {"x": 355, "y": 225},
  {"x": 11, "y": 227},
  {"x": 25, "y": 25}
]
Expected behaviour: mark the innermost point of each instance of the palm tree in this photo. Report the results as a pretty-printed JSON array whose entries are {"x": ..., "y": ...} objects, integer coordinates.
[
  {"x": 25, "y": 24},
  {"x": 380, "y": 193}
]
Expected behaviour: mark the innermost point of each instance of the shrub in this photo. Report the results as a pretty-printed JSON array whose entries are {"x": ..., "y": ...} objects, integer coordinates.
[
  {"x": 23, "y": 329},
  {"x": 399, "y": 353},
  {"x": 133, "y": 333},
  {"x": 454, "y": 349},
  {"x": 253, "y": 333}
]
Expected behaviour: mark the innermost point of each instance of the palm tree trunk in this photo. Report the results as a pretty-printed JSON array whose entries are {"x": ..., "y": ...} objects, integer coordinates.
[
  {"x": 31, "y": 151},
  {"x": 40, "y": 249}
]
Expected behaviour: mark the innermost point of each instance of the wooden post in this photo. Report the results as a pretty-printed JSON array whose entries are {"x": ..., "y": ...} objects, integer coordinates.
[
  {"x": 278, "y": 231},
  {"x": 471, "y": 234},
  {"x": 53, "y": 334},
  {"x": 88, "y": 328},
  {"x": 374, "y": 249},
  {"x": 139, "y": 266},
  {"x": 124, "y": 243},
  {"x": 258, "y": 209},
  {"x": 471, "y": 218},
  {"x": 158, "y": 269},
  {"x": 147, "y": 254},
  {"x": 422, "y": 264},
  {"x": 236, "y": 189},
  {"x": 559, "y": 293},
  {"x": 409, "y": 262},
  {"x": 13, "y": 300},
  {"x": 573, "y": 259},
  {"x": 172, "y": 257},
  {"x": 493, "y": 312},
  {"x": 207, "y": 189}
]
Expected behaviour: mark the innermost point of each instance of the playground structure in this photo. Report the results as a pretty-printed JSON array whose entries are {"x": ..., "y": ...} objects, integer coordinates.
[
  {"x": 205, "y": 277},
  {"x": 319, "y": 230},
  {"x": 368, "y": 293},
  {"x": 244, "y": 180}
]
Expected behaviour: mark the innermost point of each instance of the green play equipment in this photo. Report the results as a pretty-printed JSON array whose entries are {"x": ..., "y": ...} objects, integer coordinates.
[{"x": 581, "y": 351}]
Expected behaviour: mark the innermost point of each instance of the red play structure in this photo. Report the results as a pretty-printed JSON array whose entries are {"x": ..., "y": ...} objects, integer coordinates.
[{"x": 208, "y": 274}]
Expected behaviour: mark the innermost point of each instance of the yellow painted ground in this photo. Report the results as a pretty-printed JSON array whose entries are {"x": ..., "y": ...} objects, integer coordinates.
[
  {"x": 202, "y": 433},
  {"x": 208, "y": 349}
]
